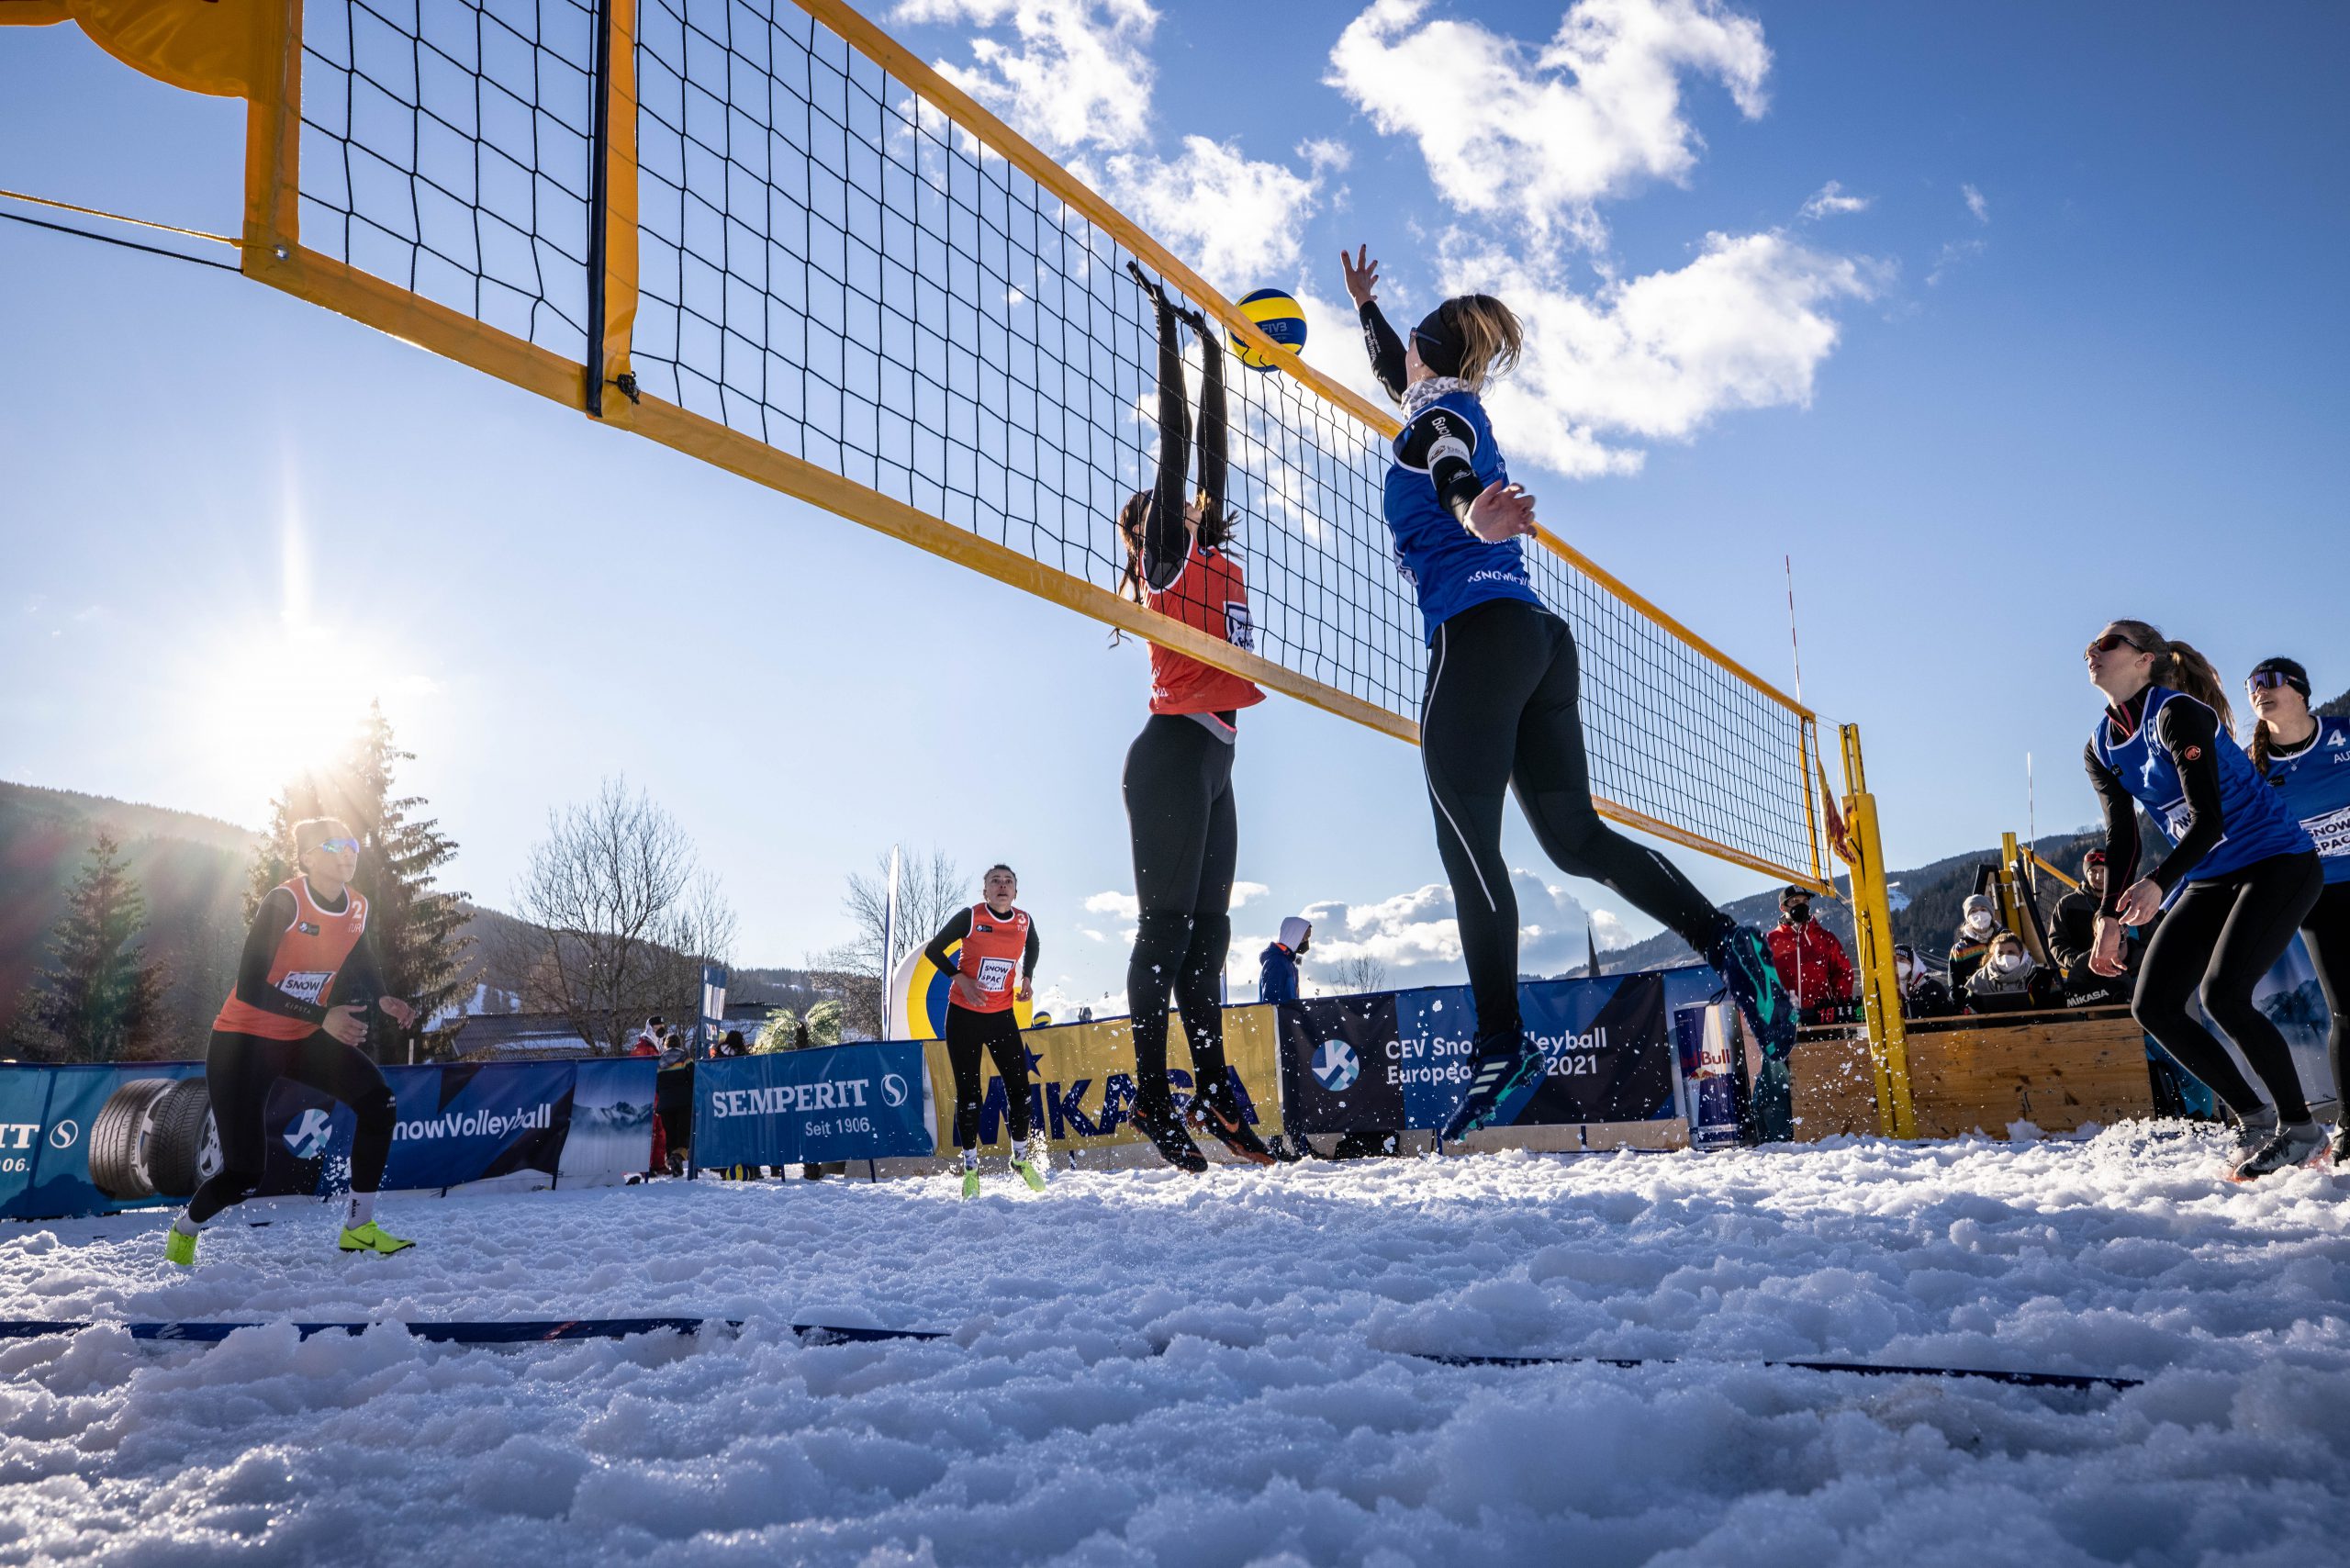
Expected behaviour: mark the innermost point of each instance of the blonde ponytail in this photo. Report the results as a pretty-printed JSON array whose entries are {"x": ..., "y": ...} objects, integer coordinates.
[{"x": 1491, "y": 337}]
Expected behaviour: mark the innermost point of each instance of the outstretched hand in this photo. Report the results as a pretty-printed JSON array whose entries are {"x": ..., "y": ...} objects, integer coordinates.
[
  {"x": 1363, "y": 276},
  {"x": 1501, "y": 511}
]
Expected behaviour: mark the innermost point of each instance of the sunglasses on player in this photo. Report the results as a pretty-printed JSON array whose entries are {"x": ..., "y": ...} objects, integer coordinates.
[
  {"x": 2108, "y": 642},
  {"x": 340, "y": 846},
  {"x": 2266, "y": 680}
]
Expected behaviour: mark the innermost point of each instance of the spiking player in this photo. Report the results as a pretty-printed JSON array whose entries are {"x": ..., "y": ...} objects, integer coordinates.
[
  {"x": 305, "y": 985},
  {"x": 1179, "y": 771},
  {"x": 1501, "y": 712},
  {"x": 996, "y": 967}
]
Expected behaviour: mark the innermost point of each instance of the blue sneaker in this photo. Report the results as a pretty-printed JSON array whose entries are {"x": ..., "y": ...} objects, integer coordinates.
[{"x": 1504, "y": 1073}]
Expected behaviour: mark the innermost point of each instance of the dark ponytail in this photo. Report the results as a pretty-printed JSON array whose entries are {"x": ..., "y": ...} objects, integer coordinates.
[{"x": 2179, "y": 667}]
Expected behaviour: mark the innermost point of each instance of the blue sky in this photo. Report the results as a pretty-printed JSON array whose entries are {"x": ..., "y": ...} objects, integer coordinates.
[{"x": 2076, "y": 354}]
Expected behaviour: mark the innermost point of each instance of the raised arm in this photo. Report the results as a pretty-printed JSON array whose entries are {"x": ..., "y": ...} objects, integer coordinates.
[
  {"x": 1378, "y": 339},
  {"x": 1167, "y": 543},
  {"x": 1214, "y": 424}
]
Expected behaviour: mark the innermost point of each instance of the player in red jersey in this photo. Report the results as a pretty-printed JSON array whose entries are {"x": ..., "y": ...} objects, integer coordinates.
[
  {"x": 305, "y": 985},
  {"x": 1179, "y": 771},
  {"x": 994, "y": 968}
]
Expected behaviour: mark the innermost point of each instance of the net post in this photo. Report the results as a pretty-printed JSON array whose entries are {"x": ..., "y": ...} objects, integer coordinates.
[
  {"x": 274, "y": 143},
  {"x": 1873, "y": 935},
  {"x": 611, "y": 214}
]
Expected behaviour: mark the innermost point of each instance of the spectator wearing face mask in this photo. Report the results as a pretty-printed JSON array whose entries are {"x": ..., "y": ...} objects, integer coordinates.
[
  {"x": 1810, "y": 961},
  {"x": 1923, "y": 995},
  {"x": 2009, "y": 980},
  {"x": 1277, "y": 976},
  {"x": 1977, "y": 926}
]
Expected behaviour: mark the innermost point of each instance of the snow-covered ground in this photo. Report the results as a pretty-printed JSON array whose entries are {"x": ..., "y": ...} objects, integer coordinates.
[{"x": 1155, "y": 1369}]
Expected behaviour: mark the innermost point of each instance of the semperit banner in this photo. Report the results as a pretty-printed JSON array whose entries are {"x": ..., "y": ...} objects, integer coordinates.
[
  {"x": 1396, "y": 1060},
  {"x": 1081, "y": 1079},
  {"x": 82, "y": 1140},
  {"x": 857, "y": 1102}
]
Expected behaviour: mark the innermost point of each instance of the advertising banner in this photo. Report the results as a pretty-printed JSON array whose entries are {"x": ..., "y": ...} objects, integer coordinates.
[
  {"x": 100, "y": 1138},
  {"x": 1400, "y": 1060},
  {"x": 1081, "y": 1079},
  {"x": 860, "y": 1102}
]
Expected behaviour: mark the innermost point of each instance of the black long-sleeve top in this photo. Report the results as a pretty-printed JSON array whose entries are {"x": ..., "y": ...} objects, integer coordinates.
[
  {"x": 360, "y": 980},
  {"x": 959, "y": 928},
  {"x": 1429, "y": 443},
  {"x": 2189, "y": 732}
]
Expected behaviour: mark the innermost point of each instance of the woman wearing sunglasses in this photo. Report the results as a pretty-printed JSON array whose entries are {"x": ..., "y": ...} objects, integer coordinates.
[
  {"x": 2240, "y": 878},
  {"x": 2308, "y": 759},
  {"x": 305, "y": 986}
]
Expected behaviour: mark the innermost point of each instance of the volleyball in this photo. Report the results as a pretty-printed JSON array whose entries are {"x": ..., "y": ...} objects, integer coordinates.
[{"x": 1279, "y": 316}]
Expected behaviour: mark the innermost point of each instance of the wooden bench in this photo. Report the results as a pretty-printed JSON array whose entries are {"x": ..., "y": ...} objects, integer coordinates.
[{"x": 2056, "y": 1070}]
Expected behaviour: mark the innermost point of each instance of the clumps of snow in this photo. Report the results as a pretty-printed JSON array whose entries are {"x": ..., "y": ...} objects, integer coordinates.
[{"x": 1154, "y": 1368}]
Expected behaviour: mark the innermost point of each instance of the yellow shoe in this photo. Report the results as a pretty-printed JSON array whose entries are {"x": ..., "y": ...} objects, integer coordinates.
[
  {"x": 970, "y": 1181},
  {"x": 372, "y": 1237},
  {"x": 1031, "y": 1164},
  {"x": 179, "y": 1247}
]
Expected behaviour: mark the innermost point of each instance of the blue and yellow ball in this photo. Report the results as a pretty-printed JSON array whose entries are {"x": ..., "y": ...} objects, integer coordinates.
[{"x": 1279, "y": 316}]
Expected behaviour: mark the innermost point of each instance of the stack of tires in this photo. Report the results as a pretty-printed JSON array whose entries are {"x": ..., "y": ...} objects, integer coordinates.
[{"x": 153, "y": 1138}]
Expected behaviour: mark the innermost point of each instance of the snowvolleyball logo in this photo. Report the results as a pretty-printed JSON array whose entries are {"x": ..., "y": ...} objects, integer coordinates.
[
  {"x": 307, "y": 1137},
  {"x": 1336, "y": 1066},
  {"x": 893, "y": 1090}
]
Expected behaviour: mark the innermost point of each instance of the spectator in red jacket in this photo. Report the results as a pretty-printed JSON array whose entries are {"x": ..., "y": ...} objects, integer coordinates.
[{"x": 1810, "y": 961}]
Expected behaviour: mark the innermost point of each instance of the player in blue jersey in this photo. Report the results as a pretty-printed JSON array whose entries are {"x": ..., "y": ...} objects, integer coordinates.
[
  {"x": 2240, "y": 878},
  {"x": 2308, "y": 759},
  {"x": 1502, "y": 710}
]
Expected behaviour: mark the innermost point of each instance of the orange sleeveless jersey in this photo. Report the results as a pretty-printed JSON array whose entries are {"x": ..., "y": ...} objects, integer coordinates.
[
  {"x": 308, "y": 956},
  {"x": 992, "y": 955},
  {"x": 1213, "y": 596}
]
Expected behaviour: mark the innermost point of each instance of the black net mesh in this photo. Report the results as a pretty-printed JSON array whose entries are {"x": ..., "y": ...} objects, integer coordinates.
[
  {"x": 446, "y": 148},
  {"x": 835, "y": 267}
]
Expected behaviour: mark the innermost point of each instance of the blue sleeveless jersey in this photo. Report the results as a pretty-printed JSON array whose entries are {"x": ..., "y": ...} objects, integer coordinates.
[
  {"x": 2314, "y": 786},
  {"x": 1449, "y": 568},
  {"x": 2254, "y": 822}
]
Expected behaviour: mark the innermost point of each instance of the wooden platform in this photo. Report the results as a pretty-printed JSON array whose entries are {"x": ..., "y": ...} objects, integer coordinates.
[{"x": 2056, "y": 1070}]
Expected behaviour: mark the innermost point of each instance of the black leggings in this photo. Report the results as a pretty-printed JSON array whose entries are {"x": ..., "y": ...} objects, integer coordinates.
[
  {"x": 1187, "y": 842},
  {"x": 2327, "y": 932},
  {"x": 2224, "y": 935},
  {"x": 1504, "y": 711},
  {"x": 241, "y": 1069},
  {"x": 970, "y": 1032}
]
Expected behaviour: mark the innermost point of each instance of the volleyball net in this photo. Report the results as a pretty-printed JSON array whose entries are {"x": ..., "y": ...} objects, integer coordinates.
[{"x": 762, "y": 232}]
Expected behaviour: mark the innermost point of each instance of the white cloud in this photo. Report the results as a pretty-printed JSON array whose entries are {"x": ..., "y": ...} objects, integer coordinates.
[
  {"x": 1324, "y": 154},
  {"x": 1244, "y": 892},
  {"x": 1976, "y": 203},
  {"x": 1829, "y": 200},
  {"x": 1546, "y": 133},
  {"x": 1125, "y": 906},
  {"x": 1235, "y": 219},
  {"x": 1953, "y": 254},
  {"x": 1074, "y": 74},
  {"x": 1744, "y": 326},
  {"x": 1416, "y": 935}
]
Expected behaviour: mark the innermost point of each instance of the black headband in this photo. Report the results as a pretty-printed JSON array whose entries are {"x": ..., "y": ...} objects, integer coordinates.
[{"x": 1440, "y": 343}]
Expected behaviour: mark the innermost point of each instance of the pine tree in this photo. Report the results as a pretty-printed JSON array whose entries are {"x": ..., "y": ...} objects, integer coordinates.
[
  {"x": 416, "y": 929},
  {"x": 101, "y": 998}
]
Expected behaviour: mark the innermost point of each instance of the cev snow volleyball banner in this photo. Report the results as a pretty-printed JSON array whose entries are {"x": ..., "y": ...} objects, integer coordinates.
[
  {"x": 1081, "y": 1079},
  {"x": 918, "y": 993}
]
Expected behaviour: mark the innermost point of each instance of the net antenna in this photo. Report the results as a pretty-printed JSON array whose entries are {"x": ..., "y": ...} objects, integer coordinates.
[{"x": 768, "y": 235}]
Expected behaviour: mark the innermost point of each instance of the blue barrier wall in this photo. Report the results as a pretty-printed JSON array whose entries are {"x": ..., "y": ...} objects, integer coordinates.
[
  {"x": 860, "y": 1101},
  {"x": 585, "y": 1120}
]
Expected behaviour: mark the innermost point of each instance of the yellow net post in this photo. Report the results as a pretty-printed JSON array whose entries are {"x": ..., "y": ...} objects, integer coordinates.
[{"x": 1873, "y": 934}]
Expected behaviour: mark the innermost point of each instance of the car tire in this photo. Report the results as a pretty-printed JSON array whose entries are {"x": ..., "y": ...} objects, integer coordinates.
[
  {"x": 179, "y": 1138},
  {"x": 114, "y": 1136}
]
